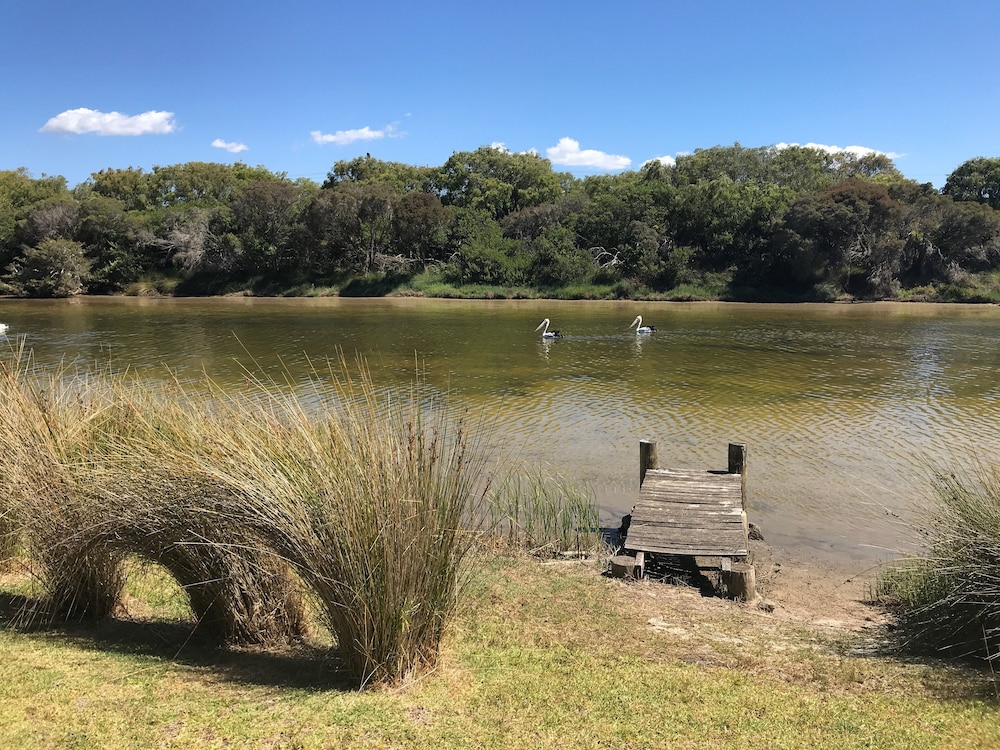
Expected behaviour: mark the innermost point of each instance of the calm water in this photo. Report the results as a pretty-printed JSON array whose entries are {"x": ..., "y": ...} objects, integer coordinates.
[{"x": 843, "y": 407}]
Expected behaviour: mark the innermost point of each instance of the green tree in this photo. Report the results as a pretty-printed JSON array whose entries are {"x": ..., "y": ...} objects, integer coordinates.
[
  {"x": 402, "y": 178},
  {"x": 116, "y": 243},
  {"x": 496, "y": 181},
  {"x": 133, "y": 188},
  {"x": 976, "y": 180},
  {"x": 354, "y": 223},
  {"x": 849, "y": 238},
  {"x": 19, "y": 191},
  {"x": 948, "y": 241},
  {"x": 556, "y": 260},
  {"x": 49, "y": 218},
  {"x": 205, "y": 182},
  {"x": 728, "y": 223},
  {"x": 480, "y": 254},
  {"x": 331, "y": 229},
  {"x": 420, "y": 226},
  {"x": 804, "y": 170},
  {"x": 265, "y": 218},
  {"x": 53, "y": 268}
]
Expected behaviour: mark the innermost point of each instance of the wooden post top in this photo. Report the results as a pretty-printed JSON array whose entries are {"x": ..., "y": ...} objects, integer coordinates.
[
  {"x": 647, "y": 458},
  {"x": 737, "y": 458}
]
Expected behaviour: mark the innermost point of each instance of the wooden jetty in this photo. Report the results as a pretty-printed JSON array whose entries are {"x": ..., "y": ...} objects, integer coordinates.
[{"x": 698, "y": 514}]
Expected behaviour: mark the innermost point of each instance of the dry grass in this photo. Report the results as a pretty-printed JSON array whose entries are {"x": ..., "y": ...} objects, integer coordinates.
[{"x": 331, "y": 496}]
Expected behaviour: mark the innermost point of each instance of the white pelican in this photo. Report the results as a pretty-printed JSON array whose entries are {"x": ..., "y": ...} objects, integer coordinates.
[
  {"x": 3, "y": 328},
  {"x": 546, "y": 333},
  {"x": 639, "y": 327}
]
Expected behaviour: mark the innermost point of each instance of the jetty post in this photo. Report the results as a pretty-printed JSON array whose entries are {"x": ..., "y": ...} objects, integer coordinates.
[
  {"x": 647, "y": 458},
  {"x": 738, "y": 465}
]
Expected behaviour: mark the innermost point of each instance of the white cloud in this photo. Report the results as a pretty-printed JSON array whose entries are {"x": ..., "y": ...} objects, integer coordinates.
[
  {"x": 85, "y": 120},
  {"x": 345, "y": 137},
  {"x": 502, "y": 148},
  {"x": 857, "y": 151},
  {"x": 568, "y": 153},
  {"x": 667, "y": 161},
  {"x": 231, "y": 147}
]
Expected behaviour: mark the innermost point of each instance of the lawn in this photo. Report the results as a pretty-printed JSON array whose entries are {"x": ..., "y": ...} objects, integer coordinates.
[{"x": 543, "y": 654}]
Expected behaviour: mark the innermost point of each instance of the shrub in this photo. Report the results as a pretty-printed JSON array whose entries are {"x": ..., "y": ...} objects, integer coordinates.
[
  {"x": 53, "y": 268},
  {"x": 948, "y": 601}
]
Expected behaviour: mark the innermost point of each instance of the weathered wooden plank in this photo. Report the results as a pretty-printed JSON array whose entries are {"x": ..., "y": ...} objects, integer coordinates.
[
  {"x": 696, "y": 496},
  {"x": 693, "y": 476},
  {"x": 688, "y": 522},
  {"x": 691, "y": 513},
  {"x": 685, "y": 532},
  {"x": 675, "y": 530},
  {"x": 688, "y": 531},
  {"x": 657, "y": 488},
  {"x": 653, "y": 510},
  {"x": 693, "y": 549},
  {"x": 713, "y": 552}
]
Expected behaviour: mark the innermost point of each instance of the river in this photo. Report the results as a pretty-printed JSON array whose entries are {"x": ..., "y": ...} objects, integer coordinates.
[{"x": 846, "y": 409}]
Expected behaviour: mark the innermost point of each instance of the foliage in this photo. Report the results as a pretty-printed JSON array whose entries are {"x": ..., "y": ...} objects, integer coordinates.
[
  {"x": 786, "y": 222},
  {"x": 53, "y": 268},
  {"x": 976, "y": 180},
  {"x": 948, "y": 599},
  {"x": 496, "y": 181}
]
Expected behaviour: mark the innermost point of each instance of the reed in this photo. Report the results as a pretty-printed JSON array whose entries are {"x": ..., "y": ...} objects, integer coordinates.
[
  {"x": 544, "y": 513},
  {"x": 948, "y": 599},
  {"x": 43, "y": 425},
  {"x": 375, "y": 499},
  {"x": 364, "y": 501}
]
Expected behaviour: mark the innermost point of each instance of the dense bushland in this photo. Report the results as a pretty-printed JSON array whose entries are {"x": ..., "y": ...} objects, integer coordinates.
[{"x": 726, "y": 222}]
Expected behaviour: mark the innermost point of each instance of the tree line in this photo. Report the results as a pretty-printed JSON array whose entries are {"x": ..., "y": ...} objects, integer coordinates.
[{"x": 727, "y": 222}]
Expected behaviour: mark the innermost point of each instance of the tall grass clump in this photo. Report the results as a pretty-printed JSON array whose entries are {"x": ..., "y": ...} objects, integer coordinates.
[
  {"x": 948, "y": 600},
  {"x": 9, "y": 532},
  {"x": 158, "y": 485},
  {"x": 534, "y": 510},
  {"x": 374, "y": 495},
  {"x": 43, "y": 427},
  {"x": 331, "y": 502},
  {"x": 367, "y": 496}
]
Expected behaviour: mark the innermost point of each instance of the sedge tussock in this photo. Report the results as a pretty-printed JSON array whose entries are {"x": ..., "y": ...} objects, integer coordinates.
[{"x": 947, "y": 600}]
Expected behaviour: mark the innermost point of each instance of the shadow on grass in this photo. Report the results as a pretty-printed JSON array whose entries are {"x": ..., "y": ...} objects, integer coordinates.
[{"x": 298, "y": 666}]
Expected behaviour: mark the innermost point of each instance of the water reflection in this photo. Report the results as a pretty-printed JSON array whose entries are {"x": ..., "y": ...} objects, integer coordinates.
[{"x": 845, "y": 409}]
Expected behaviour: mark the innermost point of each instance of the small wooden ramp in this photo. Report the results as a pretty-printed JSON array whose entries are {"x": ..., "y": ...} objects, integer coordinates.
[{"x": 696, "y": 513}]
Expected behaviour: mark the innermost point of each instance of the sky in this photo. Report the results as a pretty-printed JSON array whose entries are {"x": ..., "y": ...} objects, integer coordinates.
[{"x": 595, "y": 87}]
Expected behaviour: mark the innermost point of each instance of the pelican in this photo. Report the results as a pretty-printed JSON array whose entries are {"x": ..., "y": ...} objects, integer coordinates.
[
  {"x": 3, "y": 328},
  {"x": 546, "y": 333},
  {"x": 639, "y": 327}
]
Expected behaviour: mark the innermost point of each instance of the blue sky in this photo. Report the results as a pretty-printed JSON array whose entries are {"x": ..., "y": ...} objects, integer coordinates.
[{"x": 597, "y": 87}]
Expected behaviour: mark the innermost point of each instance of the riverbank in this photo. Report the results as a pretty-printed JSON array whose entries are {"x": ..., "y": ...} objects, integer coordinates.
[{"x": 545, "y": 654}]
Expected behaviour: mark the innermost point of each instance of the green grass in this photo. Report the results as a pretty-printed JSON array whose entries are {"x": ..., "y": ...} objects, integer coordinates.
[{"x": 542, "y": 655}]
